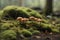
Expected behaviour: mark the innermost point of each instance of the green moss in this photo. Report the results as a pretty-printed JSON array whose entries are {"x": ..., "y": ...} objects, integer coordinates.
[
  {"x": 1, "y": 12},
  {"x": 26, "y": 33},
  {"x": 6, "y": 26},
  {"x": 12, "y": 12},
  {"x": 36, "y": 32},
  {"x": 9, "y": 25},
  {"x": 8, "y": 34},
  {"x": 55, "y": 30}
]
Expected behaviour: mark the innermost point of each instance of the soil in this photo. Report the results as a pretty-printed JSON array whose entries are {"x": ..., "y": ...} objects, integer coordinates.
[{"x": 46, "y": 37}]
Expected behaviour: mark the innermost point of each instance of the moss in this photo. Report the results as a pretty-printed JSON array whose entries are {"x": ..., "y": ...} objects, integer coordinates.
[
  {"x": 8, "y": 34},
  {"x": 12, "y": 12},
  {"x": 9, "y": 25},
  {"x": 26, "y": 33},
  {"x": 6, "y": 25},
  {"x": 55, "y": 30},
  {"x": 36, "y": 32}
]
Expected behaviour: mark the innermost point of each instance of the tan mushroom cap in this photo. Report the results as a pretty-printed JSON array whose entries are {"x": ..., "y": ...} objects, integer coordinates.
[
  {"x": 35, "y": 19},
  {"x": 31, "y": 17},
  {"x": 19, "y": 18},
  {"x": 39, "y": 20},
  {"x": 26, "y": 19}
]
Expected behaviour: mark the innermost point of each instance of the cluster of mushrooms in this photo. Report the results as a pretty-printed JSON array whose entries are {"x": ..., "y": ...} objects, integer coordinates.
[
  {"x": 27, "y": 19},
  {"x": 20, "y": 19}
]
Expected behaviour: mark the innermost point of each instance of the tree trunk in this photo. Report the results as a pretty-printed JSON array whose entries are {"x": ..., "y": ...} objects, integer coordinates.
[
  {"x": 49, "y": 7},
  {"x": 21, "y": 2}
]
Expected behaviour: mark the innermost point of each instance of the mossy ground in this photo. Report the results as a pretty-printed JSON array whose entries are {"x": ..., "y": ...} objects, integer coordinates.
[{"x": 9, "y": 26}]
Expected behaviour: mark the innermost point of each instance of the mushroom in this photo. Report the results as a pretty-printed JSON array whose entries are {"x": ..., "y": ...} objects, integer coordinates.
[
  {"x": 19, "y": 18},
  {"x": 31, "y": 18},
  {"x": 26, "y": 19},
  {"x": 39, "y": 20},
  {"x": 35, "y": 19}
]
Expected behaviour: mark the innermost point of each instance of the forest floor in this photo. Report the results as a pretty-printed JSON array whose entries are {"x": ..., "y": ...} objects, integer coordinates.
[{"x": 46, "y": 37}]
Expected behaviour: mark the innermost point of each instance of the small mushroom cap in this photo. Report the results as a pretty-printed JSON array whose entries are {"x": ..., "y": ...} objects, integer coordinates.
[
  {"x": 22, "y": 19},
  {"x": 26, "y": 19},
  {"x": 19, "y": 18},
  {"x": 31, "y": 17},
  {"x": 39, "y": 20},
  {"x": 35, "y": 19}
]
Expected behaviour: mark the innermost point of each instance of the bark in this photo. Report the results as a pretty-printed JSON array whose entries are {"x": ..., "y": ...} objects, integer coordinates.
[
  {"x": 21, "y": 2},
  {"x": 49, "y": 7}
]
